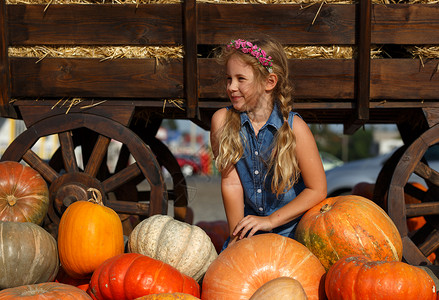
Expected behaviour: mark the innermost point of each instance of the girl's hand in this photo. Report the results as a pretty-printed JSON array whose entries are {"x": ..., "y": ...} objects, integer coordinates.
[{"x": 251, "y": 224}]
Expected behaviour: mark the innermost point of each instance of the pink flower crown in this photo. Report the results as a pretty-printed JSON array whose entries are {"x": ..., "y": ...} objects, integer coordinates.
[{"x": 254, "y": 50}]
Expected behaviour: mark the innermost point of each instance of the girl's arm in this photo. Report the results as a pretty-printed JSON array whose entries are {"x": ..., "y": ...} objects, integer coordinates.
[
  {"x": 313, "y": 176},
  {"x": 231, "y": 188}
]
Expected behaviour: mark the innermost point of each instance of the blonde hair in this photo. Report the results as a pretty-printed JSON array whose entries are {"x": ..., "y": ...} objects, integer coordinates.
[{"x": 282, "y": 163}]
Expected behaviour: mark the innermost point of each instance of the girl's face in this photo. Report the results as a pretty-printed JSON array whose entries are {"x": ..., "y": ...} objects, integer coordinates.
[{"x": 243, "y": 88}]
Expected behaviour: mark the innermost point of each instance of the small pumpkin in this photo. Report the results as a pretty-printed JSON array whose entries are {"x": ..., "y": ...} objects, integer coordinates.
[
  {"x": 89, "y": 233},
  {"x": 132, "y": 275},
  {"x": 28, "y": 254},
  {"x": 185, "y": 247},
  {"x": 280, "y": 288},
  {"x": 168, "y": 296},
  {"x": 44, "y": 291},
  {"x": 245, "y": 266},
  {"x": 349, "y": 225},
  {"x": 359, "y": 277},
  {"x": 218, "y": 231},
  {"x": 24, "y": 196}
]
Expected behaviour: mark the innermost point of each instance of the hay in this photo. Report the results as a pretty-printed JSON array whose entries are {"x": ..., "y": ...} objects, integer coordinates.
[
  {"x": 103, "y": 52},
  {"x": 327, "y": 52},
  {"x": 424, "y": 52}
]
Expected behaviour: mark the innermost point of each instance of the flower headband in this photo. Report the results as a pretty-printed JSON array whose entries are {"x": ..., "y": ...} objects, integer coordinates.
[{"x": 254, "y": 50}]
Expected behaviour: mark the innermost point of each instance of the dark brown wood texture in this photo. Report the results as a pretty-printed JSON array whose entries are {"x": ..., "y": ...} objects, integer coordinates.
[{"x": 331, "y": 91}]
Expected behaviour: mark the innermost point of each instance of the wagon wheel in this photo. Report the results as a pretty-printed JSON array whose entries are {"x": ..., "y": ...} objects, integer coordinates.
[
  {"x": 72, "y": 183},
  {"x": 425, "y": 241},
  {"x": 129, "y": 191},
  {"x": 83, "y": 140}
]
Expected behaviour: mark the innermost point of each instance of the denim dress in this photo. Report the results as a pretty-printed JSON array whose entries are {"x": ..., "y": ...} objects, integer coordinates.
[{"x": 252, "y": 169}]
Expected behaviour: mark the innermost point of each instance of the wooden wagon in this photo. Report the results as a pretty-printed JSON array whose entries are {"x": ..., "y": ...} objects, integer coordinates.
[{"x": 352, "y": 92}]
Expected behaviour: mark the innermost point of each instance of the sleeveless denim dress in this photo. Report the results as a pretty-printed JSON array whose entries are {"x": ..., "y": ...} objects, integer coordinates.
[{"x": 259, "y": 200}]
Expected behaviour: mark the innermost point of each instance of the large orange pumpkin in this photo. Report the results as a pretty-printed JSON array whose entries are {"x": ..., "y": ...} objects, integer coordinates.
[
  {"x": 132, "y": 275},
  {"x": 44, "y": 291},
  {"x": 349, "y": 225},
  {"x": 24, "y": 196},
  {"x": 358, "y": 277},
  {"x": 89, "y": 233},
  {"x": 245, "y": 266}
]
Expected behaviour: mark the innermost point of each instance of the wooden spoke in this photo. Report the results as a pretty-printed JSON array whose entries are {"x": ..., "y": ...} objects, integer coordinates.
[
  {"x": 97, "y": 156},
  {"x": 121, "y": 177},
  {"x": 68, "y": 151},
  {"x": 33, "y": 160},
  {"x": 427, "y": 173},
  {"x": 422, "y": 209},
  {"x": 430, "y": 244}
]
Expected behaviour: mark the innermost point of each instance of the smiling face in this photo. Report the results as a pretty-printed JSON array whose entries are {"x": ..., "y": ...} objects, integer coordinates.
[{"x": 245, "y": 90}]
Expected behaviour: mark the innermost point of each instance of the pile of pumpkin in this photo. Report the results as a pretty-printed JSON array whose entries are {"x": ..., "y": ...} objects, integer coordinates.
[{"x": 347, "y": 248}]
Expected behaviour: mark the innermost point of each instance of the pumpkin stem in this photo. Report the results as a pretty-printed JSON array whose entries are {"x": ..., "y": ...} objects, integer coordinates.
[
  {"x": 97, "y": 196},
  {"x": 325, "y": 208},
  {"x": 11, "y": 200}
]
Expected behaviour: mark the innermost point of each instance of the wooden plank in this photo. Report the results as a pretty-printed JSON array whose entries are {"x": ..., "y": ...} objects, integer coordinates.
[
  {"x": 407, "y": 24},
  {"x": 291, "y": 24},
  {"x": 107, "y": 24},
  {"x": 129, "y": 78},
  {"x": 190, "y": 58},
  {"x": 161, "y": 23},
  {"x": 404, "y": 79},
  {"x": 142, "y": 79},
  {"x": 5, "y": 84}
]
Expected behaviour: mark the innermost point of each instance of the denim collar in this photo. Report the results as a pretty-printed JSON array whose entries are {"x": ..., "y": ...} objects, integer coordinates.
[{"x": 275, "y": 120}]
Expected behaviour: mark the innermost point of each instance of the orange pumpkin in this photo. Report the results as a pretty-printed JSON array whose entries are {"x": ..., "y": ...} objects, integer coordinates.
[
  {"x": 349, "y": 225},
  {"x": 24, "y": 196},
  {"x": 89, "y": 233},
  {"x": 44, "y": 291},
  {"x": 245, "y": 266},
  {"x": 358, "y": 277}
]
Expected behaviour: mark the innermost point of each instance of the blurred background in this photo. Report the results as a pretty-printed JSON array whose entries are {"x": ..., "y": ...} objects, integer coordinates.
[{"x": 190, "y": 144}]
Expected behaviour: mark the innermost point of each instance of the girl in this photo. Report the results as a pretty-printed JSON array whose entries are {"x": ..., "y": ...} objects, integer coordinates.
[{"x": 271, "y": 171}]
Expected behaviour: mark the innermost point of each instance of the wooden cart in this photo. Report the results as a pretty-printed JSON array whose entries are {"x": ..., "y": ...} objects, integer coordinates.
[{"x": 353, "y": 92}]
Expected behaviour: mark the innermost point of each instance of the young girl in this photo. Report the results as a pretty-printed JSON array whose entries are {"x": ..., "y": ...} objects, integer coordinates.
[{"x": 271, "y": 171}]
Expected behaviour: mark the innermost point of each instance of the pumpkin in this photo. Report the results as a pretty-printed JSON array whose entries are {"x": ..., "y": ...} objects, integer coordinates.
[
  {"x": 63, "y": 277},
  {"x": 24, "y": 196},
  {"x": 280, "y": 288},
  {"x": 28, "y": 254},
  {"x": 168, "y": 296},
  {"x": 246, "y": 265},
  {"x": 44, "y": 291},
  {"x": 349, "y": 225},
  {"x": 89, "y": 233},
  {"x": 218, "y": 231},
  {"x": 185, "y": 247},
  {"x": 132, "y": 275},
  {"x": 359, "y": 277}
]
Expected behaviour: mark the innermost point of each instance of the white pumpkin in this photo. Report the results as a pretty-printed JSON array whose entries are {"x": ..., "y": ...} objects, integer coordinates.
[{"x": 185, "y": 247}]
